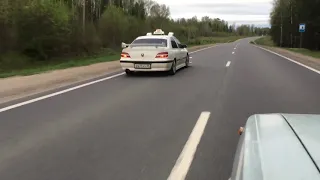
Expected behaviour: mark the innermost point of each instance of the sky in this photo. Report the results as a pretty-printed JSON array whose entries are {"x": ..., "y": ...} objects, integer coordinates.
[{"x": 234, "y": 11}]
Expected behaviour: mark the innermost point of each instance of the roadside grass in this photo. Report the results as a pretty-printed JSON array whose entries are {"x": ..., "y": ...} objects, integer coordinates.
[
  {"x": 13, "y": 64},
  {"x": 307, "y": 52},
  {"x": 265, "y": 41},
  {"x": 35, "y": 67},
  {"x": 213, "y": 40},
  {"x": 227, "y": 39}
]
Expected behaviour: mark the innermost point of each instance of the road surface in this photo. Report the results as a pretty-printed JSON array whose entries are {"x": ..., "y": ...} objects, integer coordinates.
[{"x": 136, "y": 128}]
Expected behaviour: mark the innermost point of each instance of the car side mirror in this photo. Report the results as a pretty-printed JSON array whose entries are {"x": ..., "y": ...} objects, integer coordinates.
[
  {"x": 124, "y": 45},
  {"x": 240, "y": 131},
  {"x": 184, "y": 46}
]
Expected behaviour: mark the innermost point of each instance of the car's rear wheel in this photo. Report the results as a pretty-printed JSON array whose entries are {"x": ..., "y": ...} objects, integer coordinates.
[
  {"x": 187, "y": 61},
  {"x": 173, "y": 69}
]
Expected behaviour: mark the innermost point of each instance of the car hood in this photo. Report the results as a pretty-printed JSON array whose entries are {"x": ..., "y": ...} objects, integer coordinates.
[
  {"x": 307, "y": 128},
  {"x": 281, "y": 146}
]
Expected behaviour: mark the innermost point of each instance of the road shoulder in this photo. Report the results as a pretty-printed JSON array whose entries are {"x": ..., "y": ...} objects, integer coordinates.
[
  {"x": 300, "y": 58},
  {"x": 17, "y": 87}
]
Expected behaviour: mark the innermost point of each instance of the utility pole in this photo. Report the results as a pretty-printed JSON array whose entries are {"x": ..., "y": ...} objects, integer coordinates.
[
  {"x": 84, "y": 18},
  {"x": 301, "y": 35},
  {"x": 188, "y": 34},
  {"x": 302, "y": 29},
  {"x": 72, "y": 8},
  {"x": 281, "y": 35},
  {"x": 291, "y": 25}
]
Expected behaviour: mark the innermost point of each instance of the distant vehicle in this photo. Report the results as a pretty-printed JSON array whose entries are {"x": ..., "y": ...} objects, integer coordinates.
[
  {"x": 154, "y": 52},
  {"x": 278, "y": 147}
]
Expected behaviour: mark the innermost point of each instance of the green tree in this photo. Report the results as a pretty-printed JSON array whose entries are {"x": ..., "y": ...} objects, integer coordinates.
[
  {"x": 286, "y": 17},
  {"x": 43, "y": 28}
]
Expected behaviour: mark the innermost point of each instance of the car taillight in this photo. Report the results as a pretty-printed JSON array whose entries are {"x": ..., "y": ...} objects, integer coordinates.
[
  {"x": 162, "y": 55},
  {"x": 125, "y": 55}
]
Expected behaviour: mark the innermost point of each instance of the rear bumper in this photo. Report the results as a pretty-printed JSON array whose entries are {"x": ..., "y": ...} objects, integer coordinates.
[{"x": 155, "y": 65}]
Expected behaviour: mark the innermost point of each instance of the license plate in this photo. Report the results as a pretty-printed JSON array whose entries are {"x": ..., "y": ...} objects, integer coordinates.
[{"x": 142, "y": 66}]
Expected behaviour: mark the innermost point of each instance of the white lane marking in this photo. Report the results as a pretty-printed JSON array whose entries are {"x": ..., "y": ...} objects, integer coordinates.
[
  {"x": 237, "y": 45},
  {"x": 185, "y": 159},
  {"x": 310, "y": 68},
  {"x": 73, "y": 88},
  {"x": 228, "y": 63},
  {"x": 202, "y": 49},
  {"x": 58, "y": 93},
  {"x": 234, "y": 48},
  {"x": 232, "y": 52},
  {"x": 190, "y": 57}
]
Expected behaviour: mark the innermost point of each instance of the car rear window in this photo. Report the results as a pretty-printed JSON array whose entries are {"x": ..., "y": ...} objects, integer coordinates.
[{"x": 149, "y": 42}]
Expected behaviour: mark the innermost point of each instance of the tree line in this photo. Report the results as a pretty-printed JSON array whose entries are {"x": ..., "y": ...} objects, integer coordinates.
[
  {"x": 285, "y": 19},
  {"x": 45, "y": 29}
]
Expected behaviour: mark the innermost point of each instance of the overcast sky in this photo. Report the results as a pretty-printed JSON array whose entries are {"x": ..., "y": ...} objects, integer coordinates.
[{"x": 234, "y": 11}]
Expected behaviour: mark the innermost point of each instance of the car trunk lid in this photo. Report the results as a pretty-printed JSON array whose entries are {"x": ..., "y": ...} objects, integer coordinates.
[{"x": 142, "y": 53}]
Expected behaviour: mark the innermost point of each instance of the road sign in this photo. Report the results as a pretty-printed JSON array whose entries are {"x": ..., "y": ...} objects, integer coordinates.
[{"x": 302, "y": 27}]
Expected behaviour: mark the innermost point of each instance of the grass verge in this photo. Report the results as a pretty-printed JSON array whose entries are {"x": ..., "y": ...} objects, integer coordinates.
[
  {"x": 213, "y": 40},
  {"x": 45, "y": 66},
  {"x": 17, "y": 65},
  {"x": 265, "y": 41},
  {"x": 307, "y": 52}
]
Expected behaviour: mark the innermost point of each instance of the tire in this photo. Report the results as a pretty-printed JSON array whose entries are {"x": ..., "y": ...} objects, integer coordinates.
[
  {"x": 173, "y": 69},
  {"x": 187, "y": 61}
]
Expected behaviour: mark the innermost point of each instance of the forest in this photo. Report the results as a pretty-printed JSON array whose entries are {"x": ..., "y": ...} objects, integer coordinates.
[
  {"x": 48, "y": 29},
  {"x": 285, "y": 19}
]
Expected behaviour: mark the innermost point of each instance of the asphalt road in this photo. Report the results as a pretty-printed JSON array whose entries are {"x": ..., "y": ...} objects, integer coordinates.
[{"x": 135, "y": 128}]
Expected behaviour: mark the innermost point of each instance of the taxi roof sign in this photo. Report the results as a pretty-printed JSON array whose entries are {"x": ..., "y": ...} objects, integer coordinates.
[{"x": 158, "y": 32}]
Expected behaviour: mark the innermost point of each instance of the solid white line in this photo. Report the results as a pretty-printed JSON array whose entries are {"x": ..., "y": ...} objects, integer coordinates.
[
  {"x": 228, "y": 63},
  {"x": 202, "y": 49},
  {"x": 58, "y": 93},
  {"x": 71, "y": 89},
  {"x": 310, "y": 68},
  {"x": 185, "y": 159}
]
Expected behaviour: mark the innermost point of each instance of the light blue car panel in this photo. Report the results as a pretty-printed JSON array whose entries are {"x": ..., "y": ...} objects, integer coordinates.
[
  {"x": 307, "y": 127},
  {"x": 272, "y": 151}
]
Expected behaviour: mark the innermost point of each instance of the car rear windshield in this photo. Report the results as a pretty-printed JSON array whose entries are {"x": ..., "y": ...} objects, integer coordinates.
[{"x": 149, "y": 42}]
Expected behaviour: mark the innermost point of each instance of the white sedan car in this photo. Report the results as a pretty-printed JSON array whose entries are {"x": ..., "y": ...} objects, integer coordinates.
[{"x": 154, "y": 52}]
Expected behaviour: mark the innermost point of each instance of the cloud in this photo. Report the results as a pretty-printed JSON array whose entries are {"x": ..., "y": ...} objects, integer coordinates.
[
  {"x": 225, "y": 8},
  {"x": 233, "y": 11}
]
